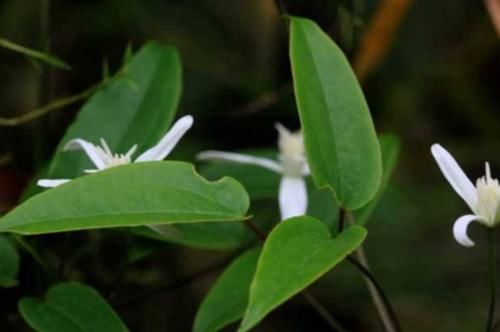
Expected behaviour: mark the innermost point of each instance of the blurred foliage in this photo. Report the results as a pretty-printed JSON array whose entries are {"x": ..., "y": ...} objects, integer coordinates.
[{"x": 437, "y": 82}]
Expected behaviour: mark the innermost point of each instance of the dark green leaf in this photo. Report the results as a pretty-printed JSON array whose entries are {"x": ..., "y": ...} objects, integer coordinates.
[
  {"x": 341, "y": 144},
  {"x": 228, "y": 298},
  {"x": 9, "y": 263},
  {"x": 71, "y": 307}
]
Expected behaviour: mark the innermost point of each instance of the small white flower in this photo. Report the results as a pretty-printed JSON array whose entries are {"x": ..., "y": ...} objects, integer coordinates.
[
  {"x": 483, "y": 199},
  {"x": 103, "y": 158},
  {"x": 292, "y": 165}
]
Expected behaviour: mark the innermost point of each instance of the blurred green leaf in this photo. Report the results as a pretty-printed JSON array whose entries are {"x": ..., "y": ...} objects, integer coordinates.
[
  {"x": 148, "y": 193},
  {"x": 296, "y": 253},
  {"x": 227, "y": 300},
  {"x": 135, "y": 108},
  {"x": 260, "y": 183},
  {"x": 219, "y": 236},
  {"x": 9, "y": 263},
  {"x": 389, "y": 146},
  {"x": 47, "y": 58},
  {"x": 70, "y": 307},
  {"x": 342, "y": 147}
]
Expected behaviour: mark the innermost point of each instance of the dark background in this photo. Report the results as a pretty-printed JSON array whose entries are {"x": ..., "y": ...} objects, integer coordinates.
[{"x": 437, "y": 82}]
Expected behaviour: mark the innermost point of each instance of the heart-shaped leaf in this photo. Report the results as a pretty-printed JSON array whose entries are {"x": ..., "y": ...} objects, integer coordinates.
[
  {"x": 389, "y": 145},
  {"x": 228, "y": 298},
  {"x": 339, "y": 136},
  {"x": 9, "y": 263},
  {"x": 296, "y": 253},
  {"x": 150, "y": 193},
  {"x": 71, "y": 307},
  {"x": 136, "y": 107}
]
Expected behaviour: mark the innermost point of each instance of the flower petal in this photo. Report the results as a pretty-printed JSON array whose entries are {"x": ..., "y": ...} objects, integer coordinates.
[
  {"x": 169, "y": 141},
  {"x": 89, "y": 148},
  {"x": 48, "y": 183},
  {"x": 306, "y": 171},
  {"x": 240, "y": 158},
  {"x": 460, "y": 229},
  {"x": 292, "y": 197},
  {"x": 455, "y": 176}
]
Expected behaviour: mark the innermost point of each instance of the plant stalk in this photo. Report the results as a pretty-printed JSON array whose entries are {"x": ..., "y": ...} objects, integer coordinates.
[{"x": 492, "y": 274}]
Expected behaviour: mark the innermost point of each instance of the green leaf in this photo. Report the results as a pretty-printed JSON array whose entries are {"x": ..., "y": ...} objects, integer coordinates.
[
  {"x": 137, "y": 107},
  {"x": 297, "y": 252},
  {"x": 390, "y": 146},
  {"x": 149, "y": 193},
  {"x": 47, "y": 58},
  {"x": 339, "y": 136},
  {"x": 70, "y": 307},
  {"x": 227, "y": 300},
  {"x": 9, "y": 263}
]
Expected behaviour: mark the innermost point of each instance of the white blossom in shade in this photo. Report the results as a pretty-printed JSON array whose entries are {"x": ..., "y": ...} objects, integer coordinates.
[
  {"x": 291, "y": 165},
  {"x": 102, "y": 157},
  {"x": 483, "y": 199}
]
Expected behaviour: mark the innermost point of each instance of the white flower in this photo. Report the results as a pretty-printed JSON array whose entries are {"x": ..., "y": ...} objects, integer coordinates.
[
  {"x": 103, "y": 158},
  {"x": 292, "y": 165},
  {"x": 483, "y": 199}
]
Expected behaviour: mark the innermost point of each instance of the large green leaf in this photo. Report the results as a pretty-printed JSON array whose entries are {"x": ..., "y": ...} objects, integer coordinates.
[
  {"x": 297, "y": 252},
  {"x": 137, "y": 107},
  {"x": 389, "y": 145},
  {"x": 341, "y": 144},
  {"x": 228, "y": 298},
  {"x": 151, "y": 193},
  {"x": 9, "y": 263},
  {"x": 70, "y": 307}
]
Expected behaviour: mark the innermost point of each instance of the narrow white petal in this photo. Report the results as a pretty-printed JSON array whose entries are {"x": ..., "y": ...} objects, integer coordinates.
[
  {"x": 460, "y": 229},
  {"x": 47, "y": 183},
  {"x": 240, "y": 158},
  {"x": 292, "y": 197},
  {"x": 169, "y": 141},
  {"x": 89, "y": 148},
  {"x": 455, "y": 176}
]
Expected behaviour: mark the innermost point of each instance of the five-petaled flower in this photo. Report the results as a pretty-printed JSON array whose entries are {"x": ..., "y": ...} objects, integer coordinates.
[
  {"x": 483, "y": 199},
  {"x": 103, "y": 158},
  {"x": 291, "y": 164}
]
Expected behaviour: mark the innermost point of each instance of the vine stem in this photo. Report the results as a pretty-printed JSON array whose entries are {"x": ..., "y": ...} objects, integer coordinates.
[
  {"x": 380, "y": 300},
  {"x": 492, "y": 273},
  {"x": 310, "y": 299}
]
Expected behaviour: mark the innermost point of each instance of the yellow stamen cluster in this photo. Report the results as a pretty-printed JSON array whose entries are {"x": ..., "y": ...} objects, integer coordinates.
[{"x": 488, "y": 198}]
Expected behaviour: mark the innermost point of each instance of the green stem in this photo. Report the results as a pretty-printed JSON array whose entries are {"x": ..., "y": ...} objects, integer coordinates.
[
  {"x": 380, "y": 300},
  {"x": 34, "y": 254},
  {"x": 492, "y": 273},
  {"x": 340, "y": 220},
  {"x": 384, "y": 308}
]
